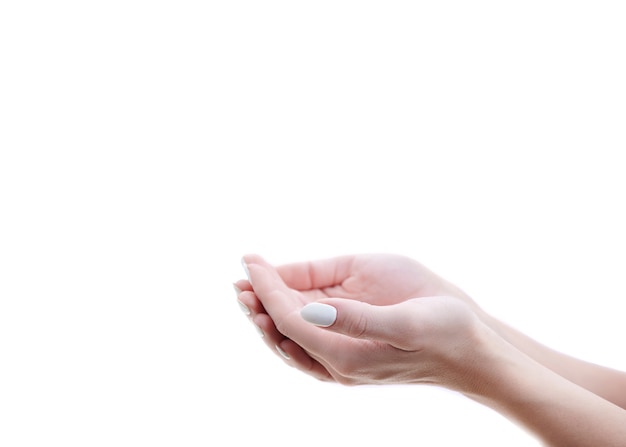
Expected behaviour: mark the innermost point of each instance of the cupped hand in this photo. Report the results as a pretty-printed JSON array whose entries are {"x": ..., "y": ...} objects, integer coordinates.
[
  {"x": 274, "y": 296},
  {"x": 437, "y": 340},
  {"x": 380, "y": 279}
]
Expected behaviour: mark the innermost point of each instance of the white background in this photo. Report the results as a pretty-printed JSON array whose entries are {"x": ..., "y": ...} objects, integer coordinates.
[{"x": 146, "y": 146}]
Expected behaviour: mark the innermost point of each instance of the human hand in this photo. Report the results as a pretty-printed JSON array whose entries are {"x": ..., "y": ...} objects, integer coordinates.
[
  {"x": 277, "y": 295},
  {"x": 437, "y": 340}
]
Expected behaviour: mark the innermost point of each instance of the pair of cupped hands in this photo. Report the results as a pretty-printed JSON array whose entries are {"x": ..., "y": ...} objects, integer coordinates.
[{"x": 366, "y": 319}]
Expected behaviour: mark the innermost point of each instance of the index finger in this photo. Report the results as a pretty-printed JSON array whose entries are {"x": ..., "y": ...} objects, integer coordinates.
[{"x": 283, "y": 305}]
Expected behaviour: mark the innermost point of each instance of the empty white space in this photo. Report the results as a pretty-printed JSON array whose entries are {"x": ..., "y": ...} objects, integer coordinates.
[{"x": 145, "y": 146}]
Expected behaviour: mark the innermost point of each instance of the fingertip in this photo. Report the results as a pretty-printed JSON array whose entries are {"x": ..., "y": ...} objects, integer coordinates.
[
  {"x": 250, "y": 300},
  {"x": 284, "y": 354},
  {"x": 244, "y": 264},
  {"x": 242, "y": 285},
  {"x": 251, "y": 258},
  {"x": 243, "y": 307},
  {"x": 237, "y": 289}
]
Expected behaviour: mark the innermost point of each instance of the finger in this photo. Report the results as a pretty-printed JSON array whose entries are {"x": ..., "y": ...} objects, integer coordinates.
[
  {"x": 297, "y": 357},
  {"x": 389, "y": 324},
  {"x": 249, "y": 303},
  {"x": 277, "y": 298},
  {"x": 287, "y": 349},
  {"x": 283, "y": 305},
  {"x": 317, "y": 274},
  {"x": 242, "y": 285}
]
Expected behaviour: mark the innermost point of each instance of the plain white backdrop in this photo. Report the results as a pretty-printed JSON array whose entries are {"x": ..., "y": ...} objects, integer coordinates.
[{"x": 146, "y": 146}]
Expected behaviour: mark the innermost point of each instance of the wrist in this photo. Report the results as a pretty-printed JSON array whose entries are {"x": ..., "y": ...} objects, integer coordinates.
[
  {"x": 481, "y": 361},
  {"x": 557, "y": 411}
]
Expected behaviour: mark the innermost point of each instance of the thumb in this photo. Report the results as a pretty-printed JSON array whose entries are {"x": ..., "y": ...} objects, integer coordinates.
[{"x": 356, "y": 319}]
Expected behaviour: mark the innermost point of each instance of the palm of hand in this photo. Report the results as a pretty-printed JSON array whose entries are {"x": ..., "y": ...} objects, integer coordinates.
[{"x": 379, "y": 280}]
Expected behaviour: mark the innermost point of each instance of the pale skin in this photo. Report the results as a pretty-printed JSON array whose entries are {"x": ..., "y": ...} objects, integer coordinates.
[{"x": 395, "y": 321}]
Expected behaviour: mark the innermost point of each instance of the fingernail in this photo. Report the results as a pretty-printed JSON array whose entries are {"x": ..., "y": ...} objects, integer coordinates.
[
  {"x": 259, "y": 330},
  {"x": 245, "y": 309},
  {"x": 237, "y": 289},
  {"x": 319, "y": 314},
  {"x": 245, "y": 268},
  {"x": 282, "y": 353}
]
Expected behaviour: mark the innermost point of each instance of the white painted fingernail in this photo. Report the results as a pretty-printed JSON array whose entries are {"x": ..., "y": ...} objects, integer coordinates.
[
  {"x": 237, "y": 289},
  {"x": 282, "y": 353},
  {"x": 245, "y": 269},
  {"x": 319, "y": 314},
  {"x": 259, "y": 330},
  {"x": 245, "y": 309}
]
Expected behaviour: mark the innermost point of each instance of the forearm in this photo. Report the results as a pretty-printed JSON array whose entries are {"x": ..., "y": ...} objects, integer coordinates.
[
  {"x": 557, "y": 411},
  {"x": 607, "y": 383}
]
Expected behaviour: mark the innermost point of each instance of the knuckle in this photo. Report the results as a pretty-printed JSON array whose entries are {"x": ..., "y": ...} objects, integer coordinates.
[
  {"x": 357, "y": 326},
  {"x": 284, "y": 325}
]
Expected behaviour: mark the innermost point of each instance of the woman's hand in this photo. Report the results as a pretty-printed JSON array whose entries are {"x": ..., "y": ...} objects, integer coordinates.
[{"x": 381, "y": 330}]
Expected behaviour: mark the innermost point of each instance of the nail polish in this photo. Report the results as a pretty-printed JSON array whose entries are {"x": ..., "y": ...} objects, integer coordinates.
[
  {"x": 259, "y": 330},
  {"x": 319, "y": 314},
  {"x": 245, "y": 268},
  {"x": 245, "y": 309},
  {"x": 282, "y": 353}
]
